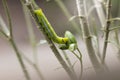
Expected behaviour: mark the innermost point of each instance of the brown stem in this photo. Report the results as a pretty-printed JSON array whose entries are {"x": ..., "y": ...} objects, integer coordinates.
[{"x": 108, "y": 10}]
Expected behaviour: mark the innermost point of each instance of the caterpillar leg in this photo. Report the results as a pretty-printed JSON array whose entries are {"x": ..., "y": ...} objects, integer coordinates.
[{"x": 63, "y": 47}]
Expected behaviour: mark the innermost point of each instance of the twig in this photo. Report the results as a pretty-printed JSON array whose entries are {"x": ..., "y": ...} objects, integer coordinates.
[
  {"x": 51, "y": 44},
  {"x": 81, "y": 63},
  {"x": 35, "y": 66},
  {"x": 19, "y": 58},
  {"x": 12, "y": 42},
  {"x": 68, "y": 61},
  {"x": 8, "y": 16},
  {"x": 3, "y": 27},
  {"x": 108, "y": 22},
  {"x": 32, "y": 41},
  {"x": 68, "y": 15},
  {"x": 87, "y": 36}
]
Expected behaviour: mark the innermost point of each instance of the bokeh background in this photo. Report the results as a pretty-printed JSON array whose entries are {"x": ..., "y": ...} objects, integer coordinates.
[{"x": 10, "y": 68}]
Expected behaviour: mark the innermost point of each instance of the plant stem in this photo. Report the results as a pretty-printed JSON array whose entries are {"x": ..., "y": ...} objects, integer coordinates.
[
  {"x": 11, "y": 40},
  {"x": 81, "y": 63},
  {"x": 87, "y": 36},
  {"x": 32, "y": 41},
  {"x": 3, "y": 28},
  {"x": 100, "y": 12},
  {"x": 108, "y": 11},
  {"x": 8, "y": 16},
  {"x": 35, "y": 67},
  {"x": 51, "y": 44},
  {"x": 68, "y": 61},
  {"x": 68, "y": 15},
  {"x": 117, "y": 42},
  {"x": 117, "y": 37},
  {"x": 19, "y": 58},
  {"x": 61, "y": 60}
]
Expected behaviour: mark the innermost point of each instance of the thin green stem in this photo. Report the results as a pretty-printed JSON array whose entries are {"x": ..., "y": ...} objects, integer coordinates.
[
  {"x": 95, "y": 33},
  {"x": 87, "y": 35},
  {"x": 12, "y": 42},
  {"x": 52, "y": 46},
  {"x": 81, "y": 63},
  {"x": 35, "y": 67},
  {"x": 34, "y": 4},
  {"x": 61, "y": 60},
  {"x": 114, "y": 28},
  {"x": 3, "y": 33},
  {"x": 32, "y": 41},
  {"x": 117, "y": 37},
  {"x": 3, "y": 27},
  {"x": 117, "y": 42},
  {"x": 19, "y": 59},
  {"x": 68, "y": 15},
  {"x": 80, "y": 60},
  {"x": 108, "y": 11},
  {"x": 30, "y": 31},
  {"x": 8, "y": 16},
  {"x": 114, "y": 19},
  {"x": 68, "y": 61}
]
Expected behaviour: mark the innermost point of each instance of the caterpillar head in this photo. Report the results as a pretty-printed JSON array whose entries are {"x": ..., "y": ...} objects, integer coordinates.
[{"x": 71, "y": 44}]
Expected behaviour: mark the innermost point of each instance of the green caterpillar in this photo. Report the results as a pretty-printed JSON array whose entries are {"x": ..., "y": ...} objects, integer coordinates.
[{"x": 67, "y": 42}]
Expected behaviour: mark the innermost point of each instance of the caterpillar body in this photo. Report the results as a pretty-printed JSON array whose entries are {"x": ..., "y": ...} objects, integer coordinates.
[
  {"x": 48, "y": 28},
  {"x": 67, "y": 42}
]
